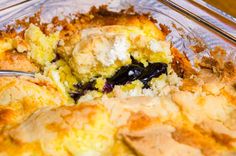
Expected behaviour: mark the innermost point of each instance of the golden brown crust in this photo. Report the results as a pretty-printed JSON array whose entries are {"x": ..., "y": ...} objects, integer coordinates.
[
  {"x": 19, "y": 97},
  {"x": 16, "y": 61},
  {"x": 181, "y": 64},
  {"x": 205, "y": 122},
  {"x": 157, "y": 140},
  {"x": 55, "y": 131},
  {"x": 196, "y": 120},
  {"x": 186, "y": 122},
  {"x": 102, "y": 17}
]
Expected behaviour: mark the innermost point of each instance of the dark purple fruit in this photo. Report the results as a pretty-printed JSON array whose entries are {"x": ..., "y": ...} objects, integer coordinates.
[
  {"x": 108, "y": 87},
  {"x": 135, "y": 62},
  {"x": 82, "y": 89},
  {"x": 89, "y": 86},
  {"x": 76, "y": 95},
  {"x": 151, "y": 71},
  {"x": 133, "y": 72},
  {"x": 57, "y": 57},
  {"x": 126, "y": 74}
]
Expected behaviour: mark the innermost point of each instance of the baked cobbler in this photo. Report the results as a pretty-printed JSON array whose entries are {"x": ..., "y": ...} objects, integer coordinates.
[{"x": 109, "y": 84}]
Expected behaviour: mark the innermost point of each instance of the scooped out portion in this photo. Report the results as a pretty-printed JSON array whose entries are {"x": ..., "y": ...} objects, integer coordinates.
[
  {"x": 103, "y": 55},
  {"x": 108, "y": 84},
  {"x": 117, "y": 55},
  {"x": 101, "y": 51}
]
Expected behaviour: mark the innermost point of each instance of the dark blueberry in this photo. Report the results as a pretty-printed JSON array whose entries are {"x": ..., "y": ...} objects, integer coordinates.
[
  {"x": 78, "y": 85},
  {"x": 135, "y": 62},
  {"x": 108, "y": 87},
  {"x": 89, "y": 86},
  {"x": 126, "y": 74},
  {"x": 57, "y": 57},
  {"x": 82, "y": 89},
  {"x": 76, "y": 95},
  {"x": 151, "y": 71}
]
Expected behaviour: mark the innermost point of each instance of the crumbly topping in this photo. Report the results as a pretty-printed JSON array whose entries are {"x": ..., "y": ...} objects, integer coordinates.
[
  {"x": 41, "y": 46},
  {"x": 181, "y": 112}
]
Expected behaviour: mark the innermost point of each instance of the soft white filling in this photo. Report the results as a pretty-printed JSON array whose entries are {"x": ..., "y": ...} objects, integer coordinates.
[
  {"x": 159, "y": 46},
  {"x": 118, "y": 51}
]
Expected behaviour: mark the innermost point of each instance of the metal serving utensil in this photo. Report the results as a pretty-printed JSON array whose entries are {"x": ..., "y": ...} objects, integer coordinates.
[{"x": 15, "y": 73}]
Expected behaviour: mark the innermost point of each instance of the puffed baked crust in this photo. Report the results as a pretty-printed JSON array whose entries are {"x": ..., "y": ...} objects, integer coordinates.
[
  {"x": 196, "y": 119},
  {"x": 199, "y": 119}
]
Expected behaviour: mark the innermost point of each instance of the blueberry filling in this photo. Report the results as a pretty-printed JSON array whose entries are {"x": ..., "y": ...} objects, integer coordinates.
[
  {"x": 151, "y": 71},
  {"x": 125, "y": 75},
  {"x": 133, "y": 72},
  {"x": 82, "y": 89}
]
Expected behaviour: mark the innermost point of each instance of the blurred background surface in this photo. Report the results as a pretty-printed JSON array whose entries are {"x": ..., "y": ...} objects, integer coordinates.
[{"x": 228, "y": 6}]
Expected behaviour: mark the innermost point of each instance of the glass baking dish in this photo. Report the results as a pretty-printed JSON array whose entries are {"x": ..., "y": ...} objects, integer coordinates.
[{"x": 192, "y": 23}]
